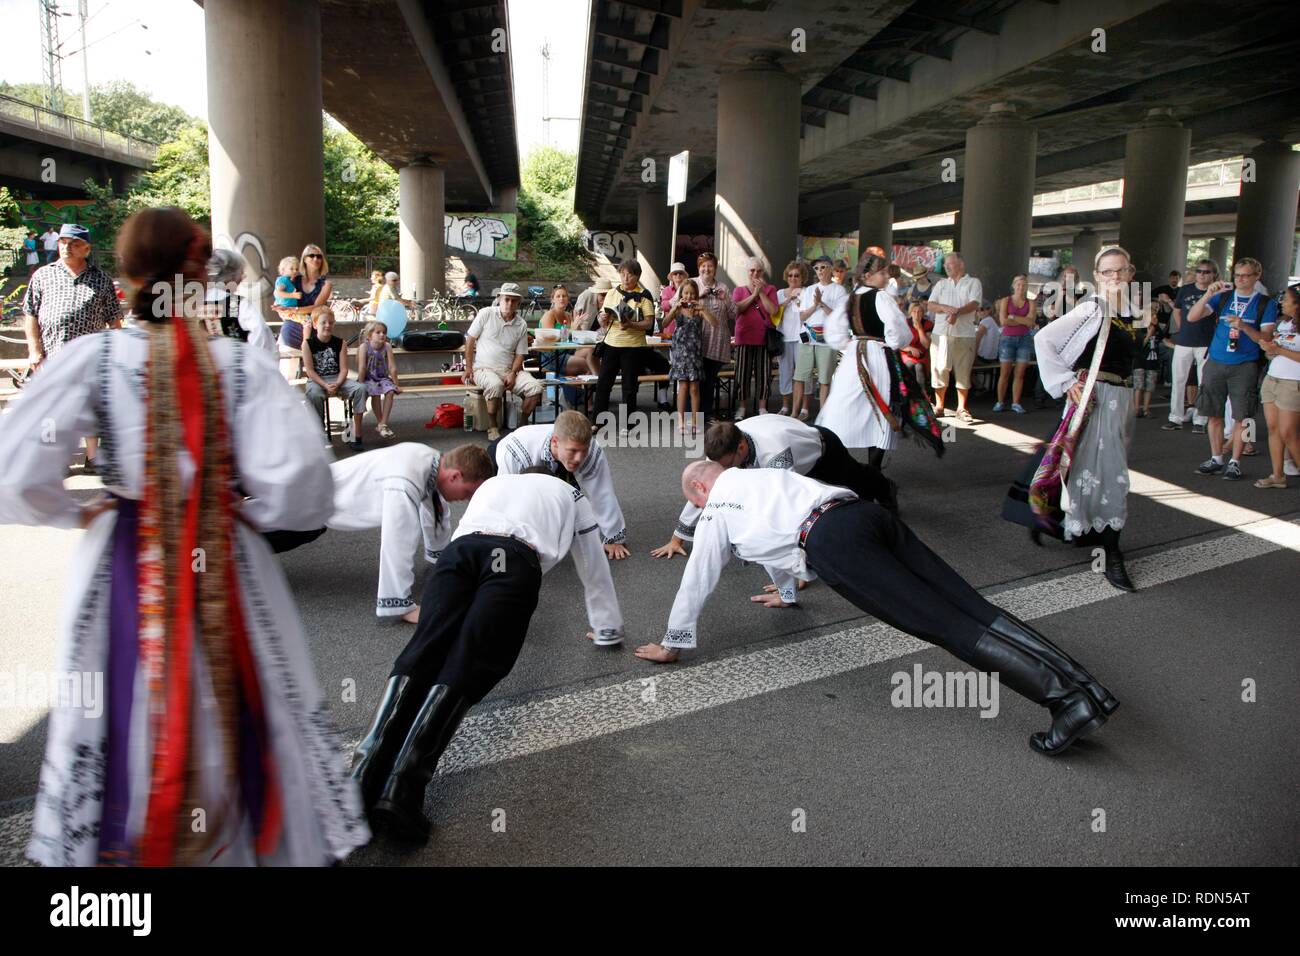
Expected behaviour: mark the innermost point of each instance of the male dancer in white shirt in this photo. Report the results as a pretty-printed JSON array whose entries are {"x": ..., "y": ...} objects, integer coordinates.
[
  {"x": 404, "y": 491},
  {"x": 777, "y": 441},
  {"x": 570, "y": 453},
  {"x": 792, "y": 525},
  {"x": 475, "y": 613}
]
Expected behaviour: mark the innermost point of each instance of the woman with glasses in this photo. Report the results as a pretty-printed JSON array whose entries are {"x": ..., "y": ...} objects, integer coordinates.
[
  {"x": 787, "y": 300},
  {"x": 871, "y": 399},
  {"x": 313, "y": 282},
  {"x": 1079, "y": 490}
]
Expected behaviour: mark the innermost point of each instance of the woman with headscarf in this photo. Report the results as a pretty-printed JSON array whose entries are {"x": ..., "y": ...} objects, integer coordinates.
[
  {"x": 872, "y": 400},
  {"x": 210, "y": 710},
  {"x": 1079, "y": 489}
]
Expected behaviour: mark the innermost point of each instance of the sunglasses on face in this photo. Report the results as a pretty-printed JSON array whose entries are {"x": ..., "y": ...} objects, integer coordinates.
[
  {"x": 1205, "y": 272},
  {"x": 1244, "y": 275},
  {"x": 313, "y": 255}
]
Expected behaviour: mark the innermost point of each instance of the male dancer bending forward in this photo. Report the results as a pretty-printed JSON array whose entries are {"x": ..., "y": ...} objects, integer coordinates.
[
  {"x": 569, "y": 452},
  {"x": 781, "y": 441},
  {"x": 792, "y": 525},
  {"x": 474, "y": 617}
]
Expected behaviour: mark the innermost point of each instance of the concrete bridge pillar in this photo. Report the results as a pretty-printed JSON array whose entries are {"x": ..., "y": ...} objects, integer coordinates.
[
  {"x": 998, "y": 198},
  {"x": 1084, "y": 249},
  {"x": 757, "y": 193},
  {"x": 875, "y": 224},
  {"x": 421, "y": 203},
  {"x": 263, "y": 67},
  {"x": 654, "y": 241},
  {"x": 1155, "y": 196},
  {"x": 1266, "y": 212},
  {"x": 1218, "y": 251}
]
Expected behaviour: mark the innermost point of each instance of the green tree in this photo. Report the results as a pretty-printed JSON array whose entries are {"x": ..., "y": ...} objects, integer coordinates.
[
  {"x": 119, "y": 106},
  {"x": 549, "y": 229},
  {"x": 360, "y": 197},
  {"x": 126, "y": 109}
]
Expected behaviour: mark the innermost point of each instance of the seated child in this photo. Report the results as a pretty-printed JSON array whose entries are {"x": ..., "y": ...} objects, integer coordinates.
[
  {"x": 377, "y": 371},
  {"x": 325, "y": 362}
]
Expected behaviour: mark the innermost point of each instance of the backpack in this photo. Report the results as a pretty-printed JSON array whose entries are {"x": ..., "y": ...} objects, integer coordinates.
[
  {"x": 433, "y": 341},
  {"x": 447, "y": 415}
]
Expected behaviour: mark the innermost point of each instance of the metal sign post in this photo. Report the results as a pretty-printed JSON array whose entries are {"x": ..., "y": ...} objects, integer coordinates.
[{"x": 677, "y": 167}]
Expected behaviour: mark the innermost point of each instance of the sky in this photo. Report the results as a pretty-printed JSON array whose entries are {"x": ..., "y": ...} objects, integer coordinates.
[{"x": 157, "y": 45}]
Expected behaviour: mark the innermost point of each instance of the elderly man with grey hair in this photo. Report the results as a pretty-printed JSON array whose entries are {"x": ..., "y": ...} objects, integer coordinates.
[
  {"x": 756, "y": 306},
  {"x": 954, "y": 301},
  {"x": 229, "y": 312}
]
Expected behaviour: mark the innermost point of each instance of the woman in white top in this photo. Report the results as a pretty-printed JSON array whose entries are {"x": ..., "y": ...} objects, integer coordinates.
[
  {"x": 870, "y": 400},
  {"x": 173, "y": 596},
  {"x": 796, "y": 277},
  {"x": 1281, "y": 391}
]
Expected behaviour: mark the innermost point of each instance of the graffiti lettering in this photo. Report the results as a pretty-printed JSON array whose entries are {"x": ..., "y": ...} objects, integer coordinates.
[
  {"x": 615, "y": 246},
  {"x": 481, "y": 234}
]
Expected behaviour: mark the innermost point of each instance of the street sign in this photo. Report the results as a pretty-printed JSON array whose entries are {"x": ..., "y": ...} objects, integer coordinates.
[{"x": 677, "y": 177}]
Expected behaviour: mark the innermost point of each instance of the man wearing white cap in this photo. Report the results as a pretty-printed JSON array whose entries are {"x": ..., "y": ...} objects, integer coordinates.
[
  {"x": 587, "y": 309},
  {"x": 495, "y": 346}
]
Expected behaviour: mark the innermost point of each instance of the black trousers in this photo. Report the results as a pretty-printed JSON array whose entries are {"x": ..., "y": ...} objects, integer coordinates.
[
  {"x": 614, "y": 362},
  {"x": 474, "y": 616},
  {"x": 709, "y": 385},
  {"x": 837, "y": 467},
  {"x": 869, "y": 557},
  {"x": 282, "y": 541}
]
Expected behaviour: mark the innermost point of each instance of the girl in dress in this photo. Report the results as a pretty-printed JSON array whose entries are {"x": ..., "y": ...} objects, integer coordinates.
[
  {"x": 872, "y": 400},
  {"x": 174, "y": 596},
  {"x": 377, "y": 371},
  {"x": 688, "y": 350},
  {"x": 1079, "y": 490}
]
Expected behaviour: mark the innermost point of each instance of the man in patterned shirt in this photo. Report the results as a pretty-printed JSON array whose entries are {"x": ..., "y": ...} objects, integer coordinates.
[{"x": 66, "y": 300}]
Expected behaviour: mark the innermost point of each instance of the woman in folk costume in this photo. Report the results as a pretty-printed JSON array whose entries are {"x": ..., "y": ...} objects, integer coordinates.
[
  {"x": 214, "y": 745},
  {"x": 872, "y": 399},
  {"x": 1079, "y": 490}
]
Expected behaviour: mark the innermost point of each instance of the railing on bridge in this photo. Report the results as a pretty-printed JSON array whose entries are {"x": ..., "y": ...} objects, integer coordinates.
[{"x": 38, "y": 117}]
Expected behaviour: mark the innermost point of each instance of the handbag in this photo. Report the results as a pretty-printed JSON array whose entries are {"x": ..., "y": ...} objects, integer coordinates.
[{"x": 775, "y": 340}]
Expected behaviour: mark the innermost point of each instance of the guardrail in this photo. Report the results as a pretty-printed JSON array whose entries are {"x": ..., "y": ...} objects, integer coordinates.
[{"x": 74, "y": 128}]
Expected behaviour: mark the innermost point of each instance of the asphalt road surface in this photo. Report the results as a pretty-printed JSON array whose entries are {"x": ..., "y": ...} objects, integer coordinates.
[{"x": 776, "y": 741}]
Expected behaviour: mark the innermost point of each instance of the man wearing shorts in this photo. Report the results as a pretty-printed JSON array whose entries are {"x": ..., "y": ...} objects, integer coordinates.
[
  {"x": 817, "y": 303},
  {"x": 953, "y": 303},
  {"x": 495, "y": 346},
  {"x": 1244, "y": 318}
]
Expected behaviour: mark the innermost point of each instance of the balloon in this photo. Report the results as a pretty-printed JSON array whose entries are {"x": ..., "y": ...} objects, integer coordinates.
[{"x": 393, "y": 315}]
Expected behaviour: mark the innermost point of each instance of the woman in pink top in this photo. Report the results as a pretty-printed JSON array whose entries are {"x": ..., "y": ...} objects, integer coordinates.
[
  {"x": 755, "y": 307},
  {"x": 1016, "y": 316}
]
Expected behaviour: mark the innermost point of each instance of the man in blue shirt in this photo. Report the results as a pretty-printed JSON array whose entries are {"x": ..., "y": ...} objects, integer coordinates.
[
  {"x": 1191, "y": 340},
  {"x": 1244, "y": 318}
]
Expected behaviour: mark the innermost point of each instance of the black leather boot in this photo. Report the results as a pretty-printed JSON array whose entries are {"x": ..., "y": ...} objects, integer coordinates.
[
  {"x": 1074, "y": 713},
  {"x": 373, "y": 758},
  {"x": 1017, "y": 632},
  {"x": 1116, "y": 573},
  {"x": 400, "y": 807}
]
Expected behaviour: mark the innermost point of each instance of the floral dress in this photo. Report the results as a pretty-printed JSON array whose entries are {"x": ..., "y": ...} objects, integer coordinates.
[
  {"x": 378, "y": 380},
  {"x": 687, "y": 354}
]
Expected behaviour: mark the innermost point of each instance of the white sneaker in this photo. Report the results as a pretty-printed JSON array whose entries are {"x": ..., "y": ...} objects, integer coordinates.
[
  {"x": 493, "y": 434},
  {"x": 347, "y": 433},
  {"x": 740, "y": 415},
  {"x": 1290, "y": 468},
  {"x": 608, "y": 638}
]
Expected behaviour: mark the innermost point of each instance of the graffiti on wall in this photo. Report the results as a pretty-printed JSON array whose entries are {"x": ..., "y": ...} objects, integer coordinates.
[
  {"x": 614, "y": 246},
  {"x": 838, "y": 247},
  {"x": 908, "y": 257},
  {"x": 488, "y": 234},
  {"x": 39, "y": 213}
]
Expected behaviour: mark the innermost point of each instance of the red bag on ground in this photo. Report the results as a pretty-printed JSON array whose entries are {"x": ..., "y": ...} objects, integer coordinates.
[{"x": 447, "y": 415}]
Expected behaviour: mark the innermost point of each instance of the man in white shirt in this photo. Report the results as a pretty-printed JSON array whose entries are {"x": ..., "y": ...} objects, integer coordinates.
[
  {"x": 773, "y": 441},
  {"x": 953, "y": 302},
  {"x": 476, "y": 609},
  {"x": 404, "y": 491},
  {"x": 50, "y": 241},
  {"x": 819, "y": 303},
  {"x": 570, "y": 452},
  {"x": 792, "y": 525},
  {"x": 495, "y": 346}
]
